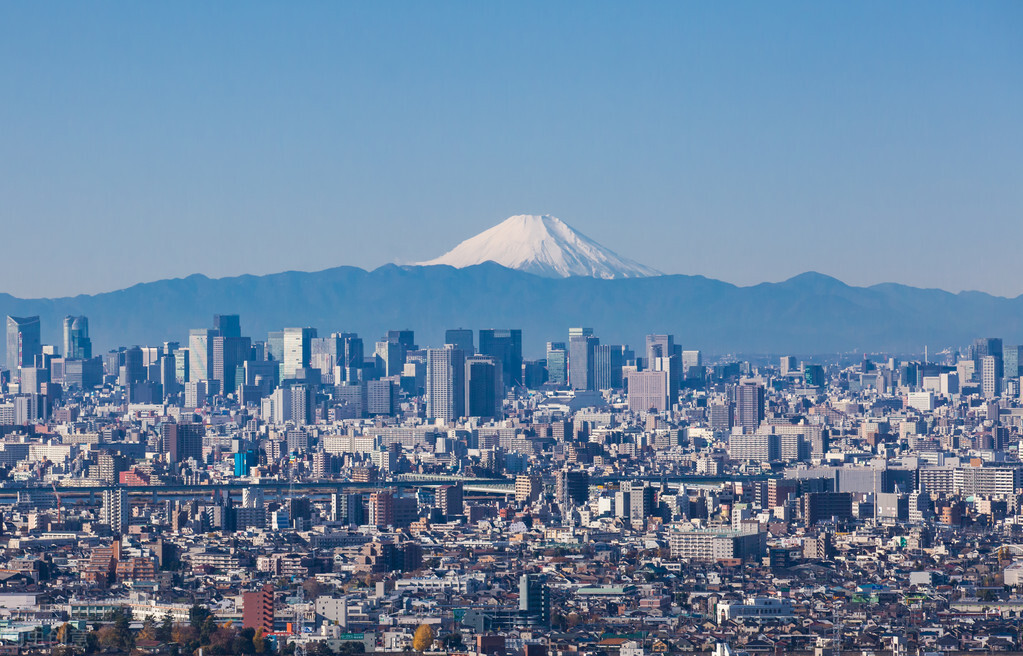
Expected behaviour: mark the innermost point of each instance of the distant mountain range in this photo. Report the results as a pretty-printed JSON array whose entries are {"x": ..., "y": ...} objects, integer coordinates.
[{"x": 810, "y": 313}]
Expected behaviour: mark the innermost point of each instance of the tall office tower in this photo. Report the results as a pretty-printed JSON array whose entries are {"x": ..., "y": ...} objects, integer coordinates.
[
  {"x": 648, "y": 391},
  {"x": 167, "y": 375},
  {"x": 297, "y": 350},
  {"x": 275, "y": 345},
  {"x": 229, "y": 353},
  {"x": 445, "y": 384},
  {"x": 200, "y": 353},
  {"x": 721, "y": 416},
  {"x": 390, "y": 358},
  {"x": 572, "y": 488},
  {"x": 990, "y": 377},
  {"x": 659, "y": 346},
  {"x": 77, "y": 345},
  {"x": 228, "y": 325},
  {"x": 534, "y": 373},
  {"x": 483, "y": 387},
  {"x": 691, "y": 359},
  {"x": 182, "y": 363},
  {"x": 340, "y": 354},
  {"x": 351, "y": 356},
  {"x": 581, "y": 345},
  {"x": 1011, "y": 362},
  {"x": 557, "y": 363},
  {"x": 505, "y": 346},
  {"x": 986, "y": 346},
  {"x": 407, "y": 338},
  {"x": 23, "y": 343},
  {"x": 133, "y": 370},
  {"x": 115, "y": 511},
  {"x": 672, "y": 367},
  {"x": 534, "y": 599},
  {"x": 607, "y": 366},
  {"x": 461, "y": 338},
  {"x": 749, "y": 406},
  {"x": 788, "y": 365}
]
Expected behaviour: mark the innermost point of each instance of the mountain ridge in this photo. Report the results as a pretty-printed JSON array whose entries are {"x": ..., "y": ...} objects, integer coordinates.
[{"x": 797, "y": 315}]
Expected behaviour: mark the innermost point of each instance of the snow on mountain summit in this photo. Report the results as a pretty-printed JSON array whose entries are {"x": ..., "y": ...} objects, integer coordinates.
[{"x": 545, "y": 246}]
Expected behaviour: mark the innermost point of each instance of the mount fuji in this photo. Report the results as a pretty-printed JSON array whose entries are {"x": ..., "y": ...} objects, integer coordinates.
[{"x": 545, "y": 246}]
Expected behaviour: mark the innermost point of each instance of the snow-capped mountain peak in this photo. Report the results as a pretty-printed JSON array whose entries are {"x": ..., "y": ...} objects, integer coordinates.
[{"x": 543, "y": 245}]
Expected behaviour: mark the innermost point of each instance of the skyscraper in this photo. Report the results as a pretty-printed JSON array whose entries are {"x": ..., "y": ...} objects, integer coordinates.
[
  {"x": 77, "y": 345},
  {"x": 1011, "y": 361},
  {"x": 407, "y": 339},
  {"x": 390, "y": 357},
  {"x": 581, "y": 345},
  {"x": 23, "y": 343},
  {"x": 200, "y": 353},
  {"x": 749, "y": 406},
  {"x": 297, "y": 350},
  {"x": 659, "y": 346},
  {"x": 461, "y": 338},
  {"x": 990, "y": 377},
  {"x": 343, "y": 351},
  {"x": 987, "y": 346},
  {"x": 483, "y": 387},
  {"x": 607, "y": 366},
  {"x": 228, "y": 325},
  {"x": 228, "y": 354},
  {"x": 505, "y": 346},
  {"x": 557, "y": 363},
  {"x": 445, "y": 384}
]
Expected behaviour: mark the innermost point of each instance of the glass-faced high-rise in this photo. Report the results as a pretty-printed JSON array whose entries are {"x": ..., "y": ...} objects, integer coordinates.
[
  {"x": 77, "y": 345},
  {"x": 581, "y": 347},
  {"x": 23, "y": 343}
]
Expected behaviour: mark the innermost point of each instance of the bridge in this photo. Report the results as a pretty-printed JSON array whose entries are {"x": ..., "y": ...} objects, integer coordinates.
[{"x": 486, "y": 486}]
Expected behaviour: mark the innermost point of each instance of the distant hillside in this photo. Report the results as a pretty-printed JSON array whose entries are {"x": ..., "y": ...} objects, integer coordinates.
[{"x": 810, "y": 313}]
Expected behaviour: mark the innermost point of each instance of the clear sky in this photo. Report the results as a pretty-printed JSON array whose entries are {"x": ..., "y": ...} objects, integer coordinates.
[{"x": 872, "y": 141}]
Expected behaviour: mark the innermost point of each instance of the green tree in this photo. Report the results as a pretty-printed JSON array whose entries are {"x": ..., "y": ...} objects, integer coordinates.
[
  {"x": 197, "y": 616},
  {"x": 244, "y": 643},
  {"x": 206, "y": 631},
  {"x": 165, "y": 631},
  {"x": 148, "y": 630}
]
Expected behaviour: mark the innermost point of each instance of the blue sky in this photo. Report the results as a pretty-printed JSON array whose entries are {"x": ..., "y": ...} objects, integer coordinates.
[{"x": 750, "y": 142}]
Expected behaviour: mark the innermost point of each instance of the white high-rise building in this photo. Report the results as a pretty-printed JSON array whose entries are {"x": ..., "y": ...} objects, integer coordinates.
[
  {"x": 990, "y": 378},
  {"x": 115, "y": 511},
  {"x": 297, "y": 350},
  {"x": 445, "y": 384},
  {"x": 200, "y": 353}
]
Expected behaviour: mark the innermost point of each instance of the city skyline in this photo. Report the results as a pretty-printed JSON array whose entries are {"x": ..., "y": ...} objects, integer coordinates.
[{"x": 861, "y": 141}]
